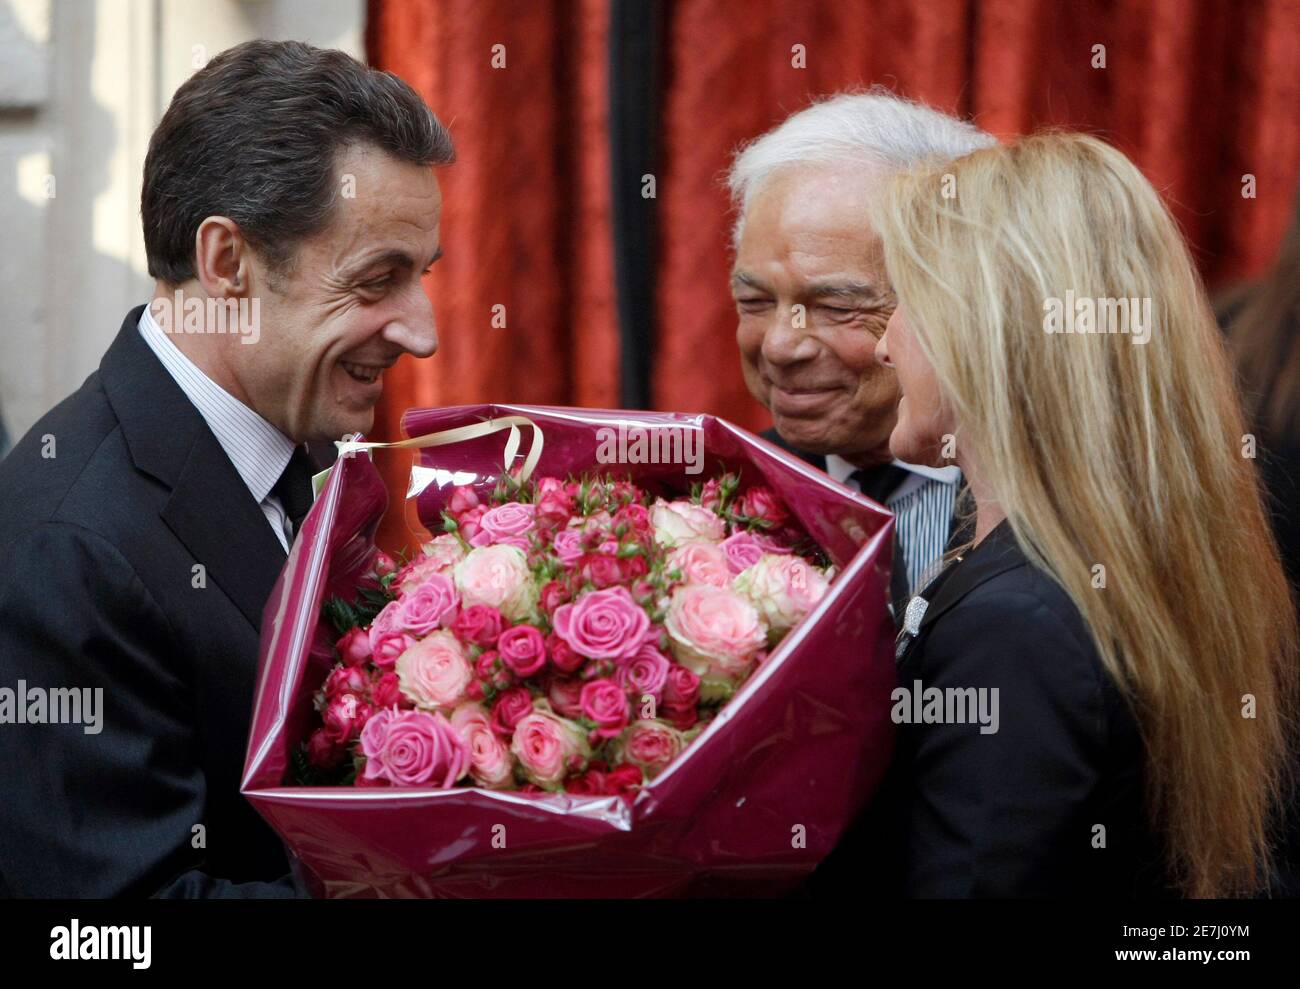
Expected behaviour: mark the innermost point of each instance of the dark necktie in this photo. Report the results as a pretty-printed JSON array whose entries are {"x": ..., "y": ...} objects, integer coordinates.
[
  {"x": 294, "y": 487},
  {"x": 878, "y": 483}
]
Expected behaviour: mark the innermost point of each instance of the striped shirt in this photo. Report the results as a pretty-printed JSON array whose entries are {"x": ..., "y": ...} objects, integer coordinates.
[
  {"x": 923, "y": 506},
  {"x": 258, "y": 450}
]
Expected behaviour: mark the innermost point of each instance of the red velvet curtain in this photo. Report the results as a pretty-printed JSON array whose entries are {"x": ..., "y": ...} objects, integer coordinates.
[{"x": 1199, "y": 92}]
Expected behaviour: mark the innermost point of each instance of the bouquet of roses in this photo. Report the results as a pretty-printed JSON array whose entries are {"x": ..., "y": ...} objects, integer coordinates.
[
  {"x": 593, "y": 676},
  {"x": 571, "y": 634}
]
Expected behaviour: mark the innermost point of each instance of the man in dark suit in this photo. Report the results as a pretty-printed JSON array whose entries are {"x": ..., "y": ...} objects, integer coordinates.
[
  {"x": 813, "y": 297},
  {"x": 289, "y": 205}
]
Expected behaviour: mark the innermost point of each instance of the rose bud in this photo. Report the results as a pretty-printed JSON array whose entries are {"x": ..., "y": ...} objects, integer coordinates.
[
  {"x": 563, "y": 656},
  {"x": 323, "y": 752},
  {"x": 345, "y": 679},
  {"x": 462, "y": 500},
  {"x": 624, "y": 781},
  {"x": 479, "y": 624},
  {"x": 386, "y": 691},
  {"x": 589, "y": 784},
  {"x": 354, "y": 647},
  {"x": 510, "y": 708},
  {"x": 487, "y": 665}
]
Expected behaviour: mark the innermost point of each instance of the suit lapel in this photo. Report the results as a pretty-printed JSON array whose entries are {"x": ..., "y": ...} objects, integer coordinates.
[
  {"x": 998, "y": 553},
  {"x": 210, "y": 509}
]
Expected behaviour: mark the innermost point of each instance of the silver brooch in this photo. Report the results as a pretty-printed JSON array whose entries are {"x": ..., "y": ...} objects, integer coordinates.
[{"x": 913, "y": 615}]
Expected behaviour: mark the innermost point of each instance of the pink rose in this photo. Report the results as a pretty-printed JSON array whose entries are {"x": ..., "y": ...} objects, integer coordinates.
[
  {"x": 600, "y": 569},
  {"x": 566, "y": 696},
  {"x": 389, "y": 647},
  {"x": 382, "y": 564},
  {"x": 606, "y": 624},
  {"x": 680, "y": 522},
  {"x": 344, "y": 715},
  {"x": 623, "y": 781},
  {"x": 681, "y": 687},
  {"x": 711, "y": 494},
  {"x": 713, "y": 629},
  {"x": 604, "y": 702},
  {"x": 589, "y": 784},
  {"x": 761, "y": 502},
  {"x": 701, "y": 563},
  {"x": 413, "y": 748},
  {"x": 549, "y": 747},
  {"x": 554, "y": 506},
  {"x": 354, "y": 647},
  {"x": 462, "y": 500},
  {"x": 388, "y": 639},
  {"x": 345, "y": 680},
  {"x": 635, "y": 519},
  {"x": 430, "y": 606},
  {"x": 523, "y": 650},
  {"x": 479, "y": 624},
  {"x": 490, "y": 762},
  {"x": 511, "y": 519},
  {"x": 497, "y": 576},
  {"x": 435, "y": 671},
  {"x": 783, "y": 589},
  {"x": 652, "y": 745},
  {"x": 440, "y": 555},
  {"x": 742, "y": 551},
  {"x": 568, "y": 546},
  {"x": 487, "y": 665},
  {"x": 467, "y": 523},
  {"x": 553, "y": 595},
  {"x": 510, "y": 708},
  {"x": 323, "y": 752},
  {"x": 644, "y": 674},
  {"x": 563, "y": 656},
  {"x": 386, "y": 691}
]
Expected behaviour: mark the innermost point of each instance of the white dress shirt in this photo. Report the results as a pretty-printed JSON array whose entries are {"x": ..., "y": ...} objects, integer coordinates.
[
  {"x": 258, "y": 450},
  {"x": 922, "y": 505}
]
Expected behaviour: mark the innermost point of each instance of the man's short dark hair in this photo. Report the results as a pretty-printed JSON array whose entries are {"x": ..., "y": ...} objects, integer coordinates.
[{"x": 254, "y": 136}]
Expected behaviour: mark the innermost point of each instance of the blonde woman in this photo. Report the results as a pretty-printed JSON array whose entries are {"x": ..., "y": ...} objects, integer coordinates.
[{"x": 1121, "y": 607}]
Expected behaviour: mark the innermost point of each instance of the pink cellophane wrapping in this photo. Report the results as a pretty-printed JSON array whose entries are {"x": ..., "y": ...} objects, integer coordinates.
[{"x": 751, "y": 806}]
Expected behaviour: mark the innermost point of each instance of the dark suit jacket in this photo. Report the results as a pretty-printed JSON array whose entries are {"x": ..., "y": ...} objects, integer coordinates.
[
  {"x": 1015, "y": 813},
  {"x": 1012, "y": 813},
  {"x": 99, "y": 546}
]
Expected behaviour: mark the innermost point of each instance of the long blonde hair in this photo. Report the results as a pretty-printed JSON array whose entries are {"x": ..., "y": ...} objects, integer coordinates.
[{"x": 1102, "y": 450}]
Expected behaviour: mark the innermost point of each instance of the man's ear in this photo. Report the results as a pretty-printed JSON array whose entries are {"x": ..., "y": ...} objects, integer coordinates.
[{"x": 222, "y": 259}]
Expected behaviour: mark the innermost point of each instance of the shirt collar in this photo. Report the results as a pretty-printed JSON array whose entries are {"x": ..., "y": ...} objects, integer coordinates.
[
  {"x": 258, "y": 450},
  {"x": 840, "y": 469}
]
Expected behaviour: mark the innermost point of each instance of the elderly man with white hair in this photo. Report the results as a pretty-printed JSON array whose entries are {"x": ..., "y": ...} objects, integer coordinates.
[{"x": 813, "y": 298}]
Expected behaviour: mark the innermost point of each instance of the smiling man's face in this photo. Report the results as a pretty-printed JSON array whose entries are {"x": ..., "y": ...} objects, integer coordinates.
[
  {"x": 351, "y": 303},
  {"x": 806, "y": 242}
]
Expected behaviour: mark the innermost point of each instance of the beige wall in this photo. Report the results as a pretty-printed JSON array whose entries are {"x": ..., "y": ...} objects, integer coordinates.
[{"x": 82, "y": 84}]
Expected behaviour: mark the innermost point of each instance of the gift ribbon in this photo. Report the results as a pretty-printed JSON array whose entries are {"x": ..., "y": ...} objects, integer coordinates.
[{"x": 458, "y": 434}]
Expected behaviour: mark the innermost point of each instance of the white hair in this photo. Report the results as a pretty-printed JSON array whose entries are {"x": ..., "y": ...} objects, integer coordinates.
[{"x": 876, "y": 128}]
